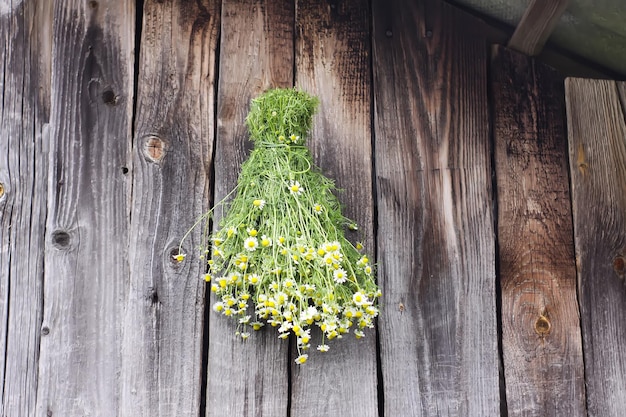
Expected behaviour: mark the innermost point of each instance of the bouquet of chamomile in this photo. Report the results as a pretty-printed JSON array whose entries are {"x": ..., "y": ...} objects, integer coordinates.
[{"x": 280, "y": 256}]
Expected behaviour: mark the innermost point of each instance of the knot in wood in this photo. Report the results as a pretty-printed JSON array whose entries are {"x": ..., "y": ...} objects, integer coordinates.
[
  {"x": 619, "y": 265},
  {"x": 542, "y": 326},
  {"x": 154, "y": 148},
  {"x": 109, "y": 97},
  {"x": 60, "y": 239},
  {"x": 1, "y": 190}
]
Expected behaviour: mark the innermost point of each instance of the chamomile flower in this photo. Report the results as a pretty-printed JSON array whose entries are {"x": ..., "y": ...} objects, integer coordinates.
[
  {"x": 359, "y": 298},
  {"x": 323, "y": 348},
  {"x": 180, "y": 257},
  {"x": 266, "y": 241},
  {"x": 295, "y": 188},
  {"x": 250, "y": 244},
  {"x": 301, "y": 359},
  {"x": 340, "y": 275},
  {"x": 253, "y": 279},
  {"x": 259, "y": 204},
  {"x": 318, "y": 208}
]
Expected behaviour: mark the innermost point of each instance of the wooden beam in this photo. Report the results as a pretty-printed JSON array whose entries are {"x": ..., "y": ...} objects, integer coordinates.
[
  {"x": 597, "y": 154},
  {"x": 86, "y": 260},
  {"x": 247, "y": 378},
  {"x": 436, "y": 252},
  {"x": 541, "y": 341},
  {"x": 536, "y": 25},
  {"x": 162, "y": 326},
  {"x": 332, "y": 62},
  {"x": 25, "y": 33}
]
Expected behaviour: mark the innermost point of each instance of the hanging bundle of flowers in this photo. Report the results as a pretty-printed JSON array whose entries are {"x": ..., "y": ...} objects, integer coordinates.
[{"x": 280, "y": 256}]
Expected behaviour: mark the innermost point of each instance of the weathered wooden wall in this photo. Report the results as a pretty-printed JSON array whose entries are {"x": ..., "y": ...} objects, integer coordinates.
[{"x": 121, "y": 122}]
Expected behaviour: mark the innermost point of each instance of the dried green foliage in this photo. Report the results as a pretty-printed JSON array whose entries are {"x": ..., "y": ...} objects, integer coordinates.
[{"x": 280, "y": 255}]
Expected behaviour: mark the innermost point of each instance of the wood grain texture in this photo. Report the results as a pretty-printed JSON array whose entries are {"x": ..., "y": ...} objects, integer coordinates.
[
  {"x": 25, "y": 30},
  {"x": 536, "y": 25},
  {"x": 541, "y": 336},
  {"x": 86, "y": 269},
  {"x": 438, "y": 335},
  {"x": 596, "y": 113},
  {"x": 247, "y": 378},
  {"x": 333, "y": 63},
  {"x": 162, "y": 327}
]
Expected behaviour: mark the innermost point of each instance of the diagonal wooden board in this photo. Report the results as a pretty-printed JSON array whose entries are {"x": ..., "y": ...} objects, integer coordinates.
[
  {"x": 438, "y": 333},
  {"x": 25, "y": 33},
  {"x": 596, "y": 121},
  {"x": 536, "y": 25},
  {"x": 541, "y": 339},
  {"x": 333, "y": 63},
  {"x": 247, "y": 378},
  {"x": 162, "y": 327}
]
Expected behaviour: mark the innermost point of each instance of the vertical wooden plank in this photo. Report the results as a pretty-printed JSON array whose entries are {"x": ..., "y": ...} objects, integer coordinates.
[
  {"x": 24, "y": 115},
  {"x": 86, "y": 268},
  {"x": 438, "y": 335},
  {"x": 333, "y": 63},
  {"x": 247, "y": 378},
  {"x": 541, "y": 339},
  {"x": 162, "y": 327},
  {"x": 596, "y": 114}
]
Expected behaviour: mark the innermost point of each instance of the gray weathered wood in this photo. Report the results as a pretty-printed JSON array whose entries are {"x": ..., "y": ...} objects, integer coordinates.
[
  {"x": 541, "y": 338},
  {"x": 535, "y": 27},
  {"x": 247, "y": 378},
  {"x": 24, "y": 115},
  {"x": 86, "y": 260},
  {"x": 162, "y": 327},
  {"x": 438, "y": 336},
  {"x": 333, "y": 63},
  {"x": 596, "y": 112}
]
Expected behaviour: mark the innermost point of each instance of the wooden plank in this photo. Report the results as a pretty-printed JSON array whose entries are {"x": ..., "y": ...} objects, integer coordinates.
[
  {"x": 438, "y": 333},
  {"x": 162, "y": 327},
  {"x": 536, "y": 25},
  {"x": 247, "y": 378},
  {"x": 596, "y": 113},
  {"x": 24, "y": 116},
  {"x": 86, "y": 267},
  {"x": 541, "y": 339},
  {"x": 332, "y": 62}
]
